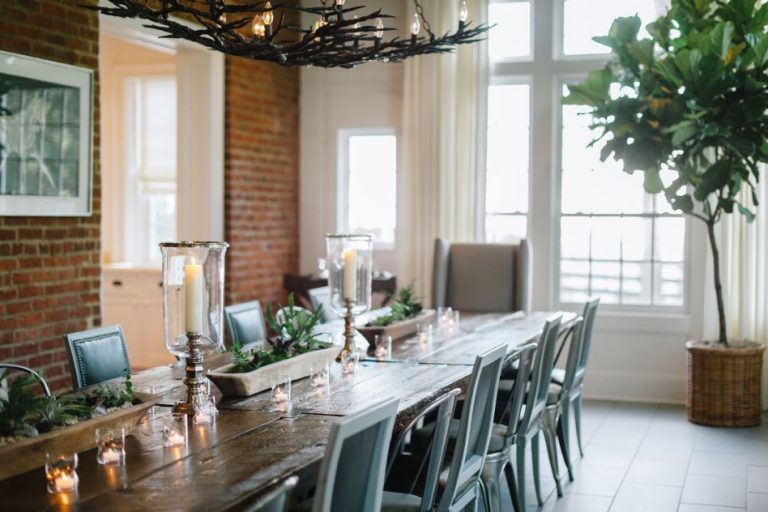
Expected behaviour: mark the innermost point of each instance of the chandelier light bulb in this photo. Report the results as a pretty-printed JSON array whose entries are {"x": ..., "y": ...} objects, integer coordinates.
[
  {"x": 268, "y": 15},
  {"x": 257, "y": 27},
  {"x": 379, "y": 28},
  {"x": 223, "y": 18},
  {"x": 340, "y": 3},
  {"x": 463, "y": 11},
  {"x": 415, "y": 25}
]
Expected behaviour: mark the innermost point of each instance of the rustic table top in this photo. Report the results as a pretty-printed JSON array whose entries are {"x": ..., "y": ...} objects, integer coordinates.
[{"x": 255, "y": 444}]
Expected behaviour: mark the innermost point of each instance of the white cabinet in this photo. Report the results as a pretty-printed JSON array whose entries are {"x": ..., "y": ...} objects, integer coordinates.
[{"x": 133, "y": 298}]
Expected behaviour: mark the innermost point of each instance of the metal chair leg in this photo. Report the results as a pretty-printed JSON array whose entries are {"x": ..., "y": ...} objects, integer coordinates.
[
  {"x": 536, "y": 472},
  {"x": 562, "y": 436},
  {"x": 509, "y": 472},
  {"x": 521, "y": 447},
  {"x": 577, "y": 418},
  {"x": 550, "y": 418},
  {"x": 491, "y": 482}
]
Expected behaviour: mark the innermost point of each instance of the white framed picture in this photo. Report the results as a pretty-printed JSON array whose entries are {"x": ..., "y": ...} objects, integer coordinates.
[{"x": 46, "y": 134}]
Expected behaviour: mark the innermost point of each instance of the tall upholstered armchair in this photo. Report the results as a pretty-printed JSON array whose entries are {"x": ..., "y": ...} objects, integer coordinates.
[{"x": 482, "y": 277}]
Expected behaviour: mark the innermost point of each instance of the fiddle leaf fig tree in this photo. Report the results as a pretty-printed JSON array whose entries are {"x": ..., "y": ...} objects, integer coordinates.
[{"x": 692, "y": 98}]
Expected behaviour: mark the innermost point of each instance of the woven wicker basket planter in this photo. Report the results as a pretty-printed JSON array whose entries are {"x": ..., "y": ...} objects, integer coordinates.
[{"x": 724, "y": 384}]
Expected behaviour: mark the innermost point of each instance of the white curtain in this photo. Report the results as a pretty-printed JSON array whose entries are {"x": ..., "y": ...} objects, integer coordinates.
[
  {"x": 437, "y": 186},
  {"x": 744, "y": 274}
]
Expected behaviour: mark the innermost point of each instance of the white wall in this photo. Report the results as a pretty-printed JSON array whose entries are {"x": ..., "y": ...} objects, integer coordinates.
[{"x": 369, "y": 96}]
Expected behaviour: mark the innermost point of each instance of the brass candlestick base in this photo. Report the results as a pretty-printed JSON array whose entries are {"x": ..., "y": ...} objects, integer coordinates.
[
  {"x": 348, "y": 335},
  {"x": 194, "y": 380}
]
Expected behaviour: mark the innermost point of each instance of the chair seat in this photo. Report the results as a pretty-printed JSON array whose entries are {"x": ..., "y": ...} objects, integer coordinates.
[
  {"x": 558, "y": 376},
  {"x": 421, "y": 437},
  {"x": 400, "y": 502},
  {"x": 510, "y": 373}
]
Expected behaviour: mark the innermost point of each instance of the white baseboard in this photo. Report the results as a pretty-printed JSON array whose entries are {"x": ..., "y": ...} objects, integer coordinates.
[{"x": 634, "y": 387}]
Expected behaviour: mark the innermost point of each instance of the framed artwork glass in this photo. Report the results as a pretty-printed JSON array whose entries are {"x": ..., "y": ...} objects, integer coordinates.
[{"x": 46, "y": 134}]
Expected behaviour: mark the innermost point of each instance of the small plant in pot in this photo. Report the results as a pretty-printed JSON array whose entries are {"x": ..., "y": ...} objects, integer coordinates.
[{"x": 693, "y": 98}]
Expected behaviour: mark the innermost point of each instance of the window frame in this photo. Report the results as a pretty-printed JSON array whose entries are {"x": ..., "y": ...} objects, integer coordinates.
[
  {"x": 547, "y": 73},
  {"x": 342, "y": 177}
]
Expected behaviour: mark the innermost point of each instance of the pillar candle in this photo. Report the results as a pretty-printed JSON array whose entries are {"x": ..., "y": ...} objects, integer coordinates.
[
  {"x": 349, "y": 282},
  {"x": 193, "y": 295}
]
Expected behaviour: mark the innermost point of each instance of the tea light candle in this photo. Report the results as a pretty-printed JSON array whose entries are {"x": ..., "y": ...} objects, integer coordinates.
[
  {"x": 65, "y": 481},
  {"x": 349, "y": 283},
  {"x": 203, "y": 418},
  {"x": 109, "y": 455},
  {"x": 193, "y": 298},
  {"x": 280, "y": 395},
  {"x": 174, "y": 438}
]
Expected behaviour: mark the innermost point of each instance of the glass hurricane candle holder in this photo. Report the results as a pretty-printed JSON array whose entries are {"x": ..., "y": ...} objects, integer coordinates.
[
  {"x": 383, "y": 345},
  {"x": 193, "y": 310},
  {"x": 60, "y": 472},
  {"x": 175, "y": 430},
  {"x": 110, "y": 446},
  {"x": 350, "y": 264}
]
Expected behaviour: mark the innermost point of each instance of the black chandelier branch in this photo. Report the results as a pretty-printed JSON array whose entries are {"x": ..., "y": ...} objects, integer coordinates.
[{"x": 340, "y": 36}]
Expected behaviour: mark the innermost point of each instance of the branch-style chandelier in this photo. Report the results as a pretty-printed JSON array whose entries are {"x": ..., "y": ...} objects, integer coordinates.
[{"x": 339, "y": 37}]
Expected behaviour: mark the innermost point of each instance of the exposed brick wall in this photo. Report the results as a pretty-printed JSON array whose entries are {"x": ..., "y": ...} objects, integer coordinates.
[
  {"x": 261, "y": 180},
  {"x": 49, "y": 267}
]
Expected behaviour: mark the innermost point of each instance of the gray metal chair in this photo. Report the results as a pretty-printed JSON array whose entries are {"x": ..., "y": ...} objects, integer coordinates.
[
  {"x": 482, "y": 277},
  {"x": 30, "y": 371},
  {"x": 97, "y": 355},
  {"x": 275, "y": 500},
  {"x": 245, "y": 322},
  {"x": 573, "y": 382},
  {"x": 352, "y": 472},
  {"x": 413, "y": 475},
  {"x": 531, "y": 423},
  {"x": 498, "y": 459},
  {"x": 321, "y": 297}
]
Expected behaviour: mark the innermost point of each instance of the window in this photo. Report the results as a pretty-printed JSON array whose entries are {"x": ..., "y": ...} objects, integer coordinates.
[
  {"x": 368, "y": 184},
  {"x": 151, "y": 165},
  {"x": 607, "y": 237}
]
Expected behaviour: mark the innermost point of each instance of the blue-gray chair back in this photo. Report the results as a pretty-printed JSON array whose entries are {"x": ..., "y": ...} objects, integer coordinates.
[
  {"x": 97, "y": 355},
  {"x": 321, "y": 297},
  {"x": 510, "y": 416},
  {"x": 245, "y": 322},
  {"x": 276, "y": 500},
  {"x": 586, "y": 328},
  {"x": 352, "y": 472},
  {"x": 475, "y": 426},
  {"x": 543, "y": 364},
  {"x": 482, "y": 277}
]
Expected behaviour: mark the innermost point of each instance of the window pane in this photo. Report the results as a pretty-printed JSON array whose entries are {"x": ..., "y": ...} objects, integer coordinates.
[
  {"x": 505, "y": 228},
  {"x": 158, "y": 127},
  {"x": 585, "y": 19},
  {"x": 507, "y": 160},
  {"x": 511, "y": 38},
  {"x": 372, "y": 186}
]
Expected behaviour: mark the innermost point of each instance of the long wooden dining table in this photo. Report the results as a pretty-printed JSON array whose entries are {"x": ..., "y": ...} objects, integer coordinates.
[{"x": 255, "y": 443}]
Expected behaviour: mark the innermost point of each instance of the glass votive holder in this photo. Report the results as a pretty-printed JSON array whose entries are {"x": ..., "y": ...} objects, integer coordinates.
[
  {"x": 453, "y": 323},
  {"x": 383, "y": 345},
  {"x": 207, "y": 413},
  {"x": 424, "y": 333},
  {"x": 444, "y": 315},
  {"x": 110, "y": 446},
  {"x": 320, "y": 375},
  {"x": 175, "y": 430},
  {"x": 61, "y": 472},
  {"x": 349, "y": 362},
  {"x": 281, "y": 390}
]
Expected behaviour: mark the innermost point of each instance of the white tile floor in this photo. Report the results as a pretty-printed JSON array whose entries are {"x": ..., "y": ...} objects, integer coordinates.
[{"x": 649, "y": 458}]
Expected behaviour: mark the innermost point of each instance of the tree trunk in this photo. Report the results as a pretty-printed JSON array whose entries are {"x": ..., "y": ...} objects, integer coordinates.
[{"x": 723, "y": 338}]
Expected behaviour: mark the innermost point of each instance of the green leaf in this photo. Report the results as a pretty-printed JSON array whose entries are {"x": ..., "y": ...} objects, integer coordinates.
[
  {"x": 714, "y": 179},
  {"x": 681, "y": 132},
  {"x": 652, "y": 182},
  {"x": 759, "y": 45},
  {"x": 626, "y": 29},
  {"x": 642, "y": 51},
  {"x": 682, "y": 203},
  {"x": 593, "y": 91}
]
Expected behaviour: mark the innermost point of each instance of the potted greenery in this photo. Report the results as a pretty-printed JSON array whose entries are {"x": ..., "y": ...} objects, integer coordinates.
[
  {"x": 405, "y": 313},
  {"x": 291, "y": 351},
  {"x": 693, "y": 98}
]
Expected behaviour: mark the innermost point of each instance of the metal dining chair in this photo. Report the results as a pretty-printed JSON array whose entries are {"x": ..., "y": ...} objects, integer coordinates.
[
  {"x": 352, "y": 472},
  {"x": 498, "y": 461},
  {"x": 30, "y": 371},
  {"x": 97, "y": 355},
  {"x": 275, "y": 500},
  {"x": 321, "y": 297},
  {"x": 245, "y": 322},
  {"x": 531, "y": 422},
  {"x": 572, "y": 382},
  {"x": 415, "y": 476}
]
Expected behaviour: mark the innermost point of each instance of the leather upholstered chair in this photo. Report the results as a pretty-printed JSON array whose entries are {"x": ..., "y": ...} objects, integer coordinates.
[
  {"x": 97, "y": 355},
  {"x": 482, "y": 277}
]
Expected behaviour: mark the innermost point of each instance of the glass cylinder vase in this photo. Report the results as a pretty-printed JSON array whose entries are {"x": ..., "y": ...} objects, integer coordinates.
[
  {"x": 193, "y": 295},
  {"x": 350, "y": 263}
]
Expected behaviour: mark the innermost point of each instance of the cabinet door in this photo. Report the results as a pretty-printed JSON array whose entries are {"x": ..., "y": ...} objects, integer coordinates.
[{"x": 126, "y": 313}]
